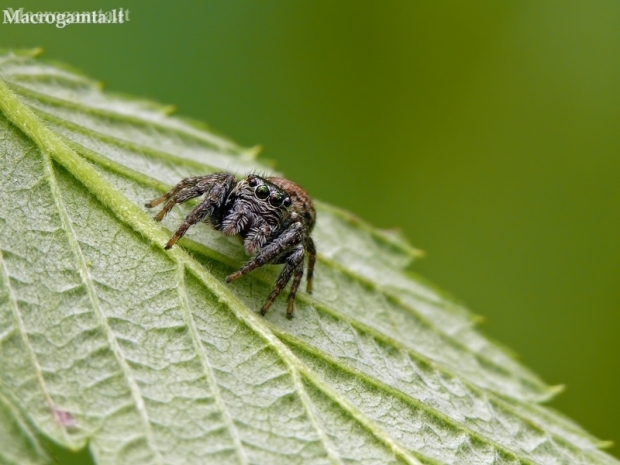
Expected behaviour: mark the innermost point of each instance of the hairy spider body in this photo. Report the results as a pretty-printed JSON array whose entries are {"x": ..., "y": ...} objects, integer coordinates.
[{"x": 273, "y": 216}]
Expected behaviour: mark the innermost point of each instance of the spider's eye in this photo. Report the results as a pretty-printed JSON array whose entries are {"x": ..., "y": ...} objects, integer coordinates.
[
  {"x": 252, "y": 181},
  {"x": 287, "y": 202},
  {"x": 262, "y": 192},
  {"x": 276, "y": 199}
]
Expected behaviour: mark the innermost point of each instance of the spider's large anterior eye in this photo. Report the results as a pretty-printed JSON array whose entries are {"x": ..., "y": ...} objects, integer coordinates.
[
  {"x": 276, "y": 199},
  {"x": 262, "y": 192}
]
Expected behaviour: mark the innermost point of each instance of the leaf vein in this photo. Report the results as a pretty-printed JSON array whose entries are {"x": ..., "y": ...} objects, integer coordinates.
[
  {"x": 394, "y": 390},
  {"x": 173, "y": 125},
  {"x": 394, "y": 299},
  {"x": 204, "y": 361},
  {"x": 115, "y": 348},
  {"x": 21, "y": 328}
]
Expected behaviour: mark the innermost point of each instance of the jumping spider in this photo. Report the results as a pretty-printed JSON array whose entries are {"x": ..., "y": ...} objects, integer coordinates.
[{"x": 273, "y": 216}]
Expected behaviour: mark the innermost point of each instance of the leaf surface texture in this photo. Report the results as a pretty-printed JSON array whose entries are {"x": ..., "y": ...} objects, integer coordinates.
[{"x": 148, "y": 357}]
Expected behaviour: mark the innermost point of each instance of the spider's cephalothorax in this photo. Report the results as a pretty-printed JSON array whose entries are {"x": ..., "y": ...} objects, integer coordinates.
[{"x": 273, "y": 216}]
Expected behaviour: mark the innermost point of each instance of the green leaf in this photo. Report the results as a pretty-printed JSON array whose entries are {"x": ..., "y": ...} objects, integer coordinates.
[{"x": 148, "y": 356}]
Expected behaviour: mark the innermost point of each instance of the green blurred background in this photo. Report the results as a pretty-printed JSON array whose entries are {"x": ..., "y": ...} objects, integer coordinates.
[{"x": 487, "y": 131}]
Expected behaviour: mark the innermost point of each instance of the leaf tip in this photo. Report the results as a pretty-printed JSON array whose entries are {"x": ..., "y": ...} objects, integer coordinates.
[
  {"x": 557, "y": 389},
  {"x": 168, "y": 109},
  {"x": 397, "y": 236},
  {"x": 605, "y": 444},
  {"x": 418, "y": 253},
  {"x": 35, "y": 52},
  {"x": 252, "y": 152}
]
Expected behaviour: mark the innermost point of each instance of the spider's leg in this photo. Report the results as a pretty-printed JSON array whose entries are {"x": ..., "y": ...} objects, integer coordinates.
[
  {"x": 299, "y": 272},
  {"x": 186, "y": 183},
  {"x": 216, "y": 187},
  {"x": 293, "y": 235},
  {"x": 311, "y": 261},
  {"x": 198, "y": 214},
  {"x": 294, "y": 263},
  {"x": 189, "y": 188}
]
